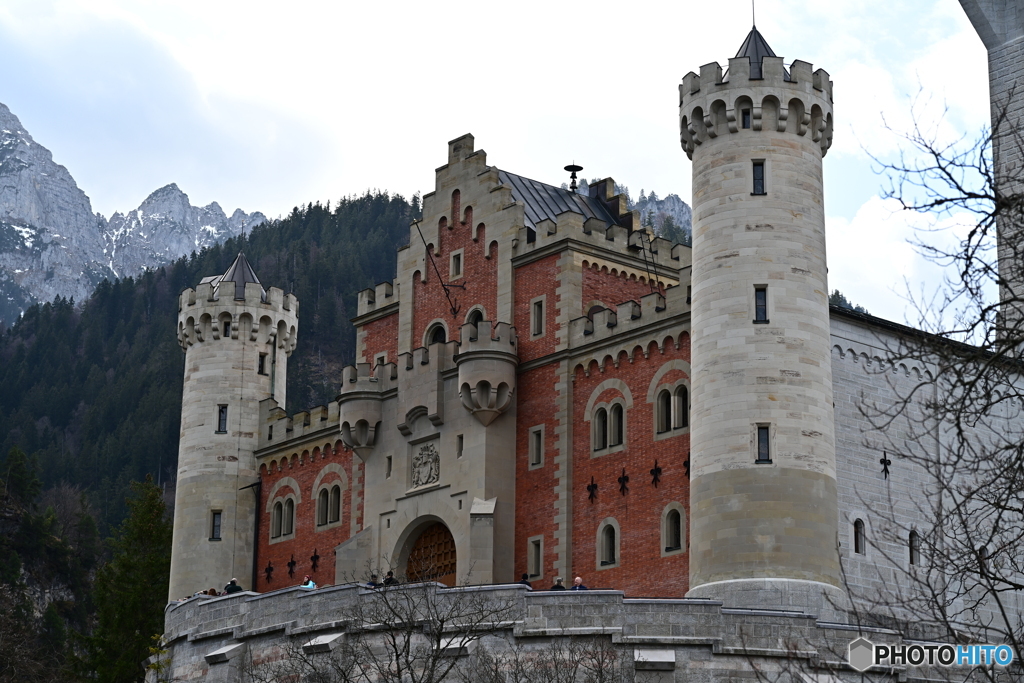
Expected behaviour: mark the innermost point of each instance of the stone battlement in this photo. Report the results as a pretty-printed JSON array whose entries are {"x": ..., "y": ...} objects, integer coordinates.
[
  {"x": 202, "y": 316},
  {"x": 710, "y": 106},
  {"x": 376, "y": 298},
  {"x": 628, "y": 316},
  {"x": 277, "y": 427},
  {"x": 668, "y": 257}
]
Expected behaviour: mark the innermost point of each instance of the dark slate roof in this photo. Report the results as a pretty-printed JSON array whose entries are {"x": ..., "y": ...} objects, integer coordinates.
[
  {"x": 239, "y": 273},
  {"x": 544, "y": 201},
  {"x": 757, "y": 48}
]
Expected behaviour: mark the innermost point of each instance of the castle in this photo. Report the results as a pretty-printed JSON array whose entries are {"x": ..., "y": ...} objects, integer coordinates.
[{"x": 548, "y": 389}]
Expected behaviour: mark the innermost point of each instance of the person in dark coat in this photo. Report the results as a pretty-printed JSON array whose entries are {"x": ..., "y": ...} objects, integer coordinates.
[
  {"x": 390, "y": 579},
  {"x": 232, "y": 587},
  {"x": 559, "y": 586},
  {"x": 525, "y": 581},
  {"x": 577, "y": 585}
]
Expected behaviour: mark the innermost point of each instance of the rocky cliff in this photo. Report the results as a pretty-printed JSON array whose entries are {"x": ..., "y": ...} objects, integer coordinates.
[{"x": 52, "y": 244}]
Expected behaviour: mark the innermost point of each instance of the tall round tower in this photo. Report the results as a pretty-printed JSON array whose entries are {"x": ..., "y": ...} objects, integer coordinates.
[
  {"x": 237, "y": 338},
  {"x": 763, "y": 494}
]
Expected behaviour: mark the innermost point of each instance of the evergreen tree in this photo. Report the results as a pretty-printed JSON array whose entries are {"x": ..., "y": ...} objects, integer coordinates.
[
  {"x": 131, "y": 591},
  {"x": 836, "y": 298},
  {"x": 20, "y": 478}
]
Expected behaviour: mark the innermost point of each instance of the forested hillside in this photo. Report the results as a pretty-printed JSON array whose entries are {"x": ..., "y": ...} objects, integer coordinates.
[{"x": 93, "y": 392}]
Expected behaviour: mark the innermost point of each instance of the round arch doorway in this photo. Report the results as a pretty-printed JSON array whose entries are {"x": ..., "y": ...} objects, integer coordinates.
[{"x": 432, "y": 556}]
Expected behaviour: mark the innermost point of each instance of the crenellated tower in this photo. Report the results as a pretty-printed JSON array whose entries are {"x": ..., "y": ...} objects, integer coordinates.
[
  {"x": 763, "y": 485},
  {"x": 237, "y": 338}
]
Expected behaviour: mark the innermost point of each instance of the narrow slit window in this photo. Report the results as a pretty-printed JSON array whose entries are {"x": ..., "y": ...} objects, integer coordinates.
[
  {"x": 460, "y": 443},
  {"x": 760, "y": 304},
  {"x": 387, "y": 468},
  {"x": 664, "y": 420},
  {"x": 335, "y": 504},
  {"x": 535, "y": 558},
  {"x": 456, "y": 266},
  {"x": 763, "y": 447},
  {"x": 275, "y": 521},
  {"x": 537, "y": 323},
  {"x": 759, "y": 178},
  {"x": 321, "y": 508},
  {"x": 222, "y": 419},
  {"x": 215, "y": 525},
  {"x": 608, "y": 541},
  {"x": 600, "y": 429},
  {"x": 262, "y": 367},
  {"x": 536, "y": 446},
  {"x": 227, "y": 329},
  {"x": 915, "y": 548},
  {"x": 746, "y": 118}
]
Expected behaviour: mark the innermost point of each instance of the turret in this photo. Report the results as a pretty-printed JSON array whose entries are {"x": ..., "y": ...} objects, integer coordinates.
[
  {"x": 237, "y": 337},
  {"x": 763, "y": 485},
  {"x": 487, "y": 363}
]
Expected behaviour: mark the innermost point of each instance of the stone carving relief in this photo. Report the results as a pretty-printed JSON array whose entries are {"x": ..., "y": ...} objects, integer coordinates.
[{"x": 426, "y": 466}]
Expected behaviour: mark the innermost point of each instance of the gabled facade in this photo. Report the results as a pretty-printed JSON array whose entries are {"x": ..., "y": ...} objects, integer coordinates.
[{"x": 503, "y": 416}]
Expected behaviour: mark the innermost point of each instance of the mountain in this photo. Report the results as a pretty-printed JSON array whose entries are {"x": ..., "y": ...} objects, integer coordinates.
[{"x": 53, "y": 244}]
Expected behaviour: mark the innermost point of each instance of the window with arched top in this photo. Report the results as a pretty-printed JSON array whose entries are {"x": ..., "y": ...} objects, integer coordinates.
[
  {"x": 275, "y": 520},
  {"x": 323, "y": 501},
  {"x": 616, "y": 425},
  {"x": 983, "y": 559},
  {"x": 680, "y": 408},
  {"x": 673, "y": 531},
  {"x": 664, "y": 409},
  {"x": 915, "y": 548},
  {"x": 335, "y": 512},
  {"x": 288, "y": 520},
  {"x": 600, "y": 429},
  {"x": 437, "y": 335},
  {"x": 475, "y": 317},
  {"x": 859, "y": 537},
  {"x": 608, "y": 549}
]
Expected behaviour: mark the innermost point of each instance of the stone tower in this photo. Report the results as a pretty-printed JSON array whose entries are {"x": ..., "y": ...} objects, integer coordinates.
[
  {"x": 1000, "y": 25},
  {"x": 763, "y": 503},
  {"x": 237, "y": 338}
]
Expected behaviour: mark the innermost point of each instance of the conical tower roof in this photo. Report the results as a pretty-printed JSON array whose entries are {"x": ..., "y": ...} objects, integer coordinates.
[
  {"x": 756, "y": 48},
  {"x": 240, "y": 272}
]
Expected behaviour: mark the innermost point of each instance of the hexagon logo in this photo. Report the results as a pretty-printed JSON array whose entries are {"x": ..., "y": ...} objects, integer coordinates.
[{"x": 861, "y": 654}]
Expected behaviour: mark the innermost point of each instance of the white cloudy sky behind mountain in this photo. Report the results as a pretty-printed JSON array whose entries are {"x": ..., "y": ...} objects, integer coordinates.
[{"x": 266, "y": 105}]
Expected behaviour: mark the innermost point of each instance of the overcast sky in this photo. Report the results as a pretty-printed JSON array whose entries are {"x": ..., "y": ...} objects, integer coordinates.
[{"x": 266, "y": 105}]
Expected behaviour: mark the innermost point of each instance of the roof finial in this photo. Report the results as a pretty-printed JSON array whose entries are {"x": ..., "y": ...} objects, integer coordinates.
[
  {"x": 573, "y": 168},
  {"x": 753, "y": 14}
]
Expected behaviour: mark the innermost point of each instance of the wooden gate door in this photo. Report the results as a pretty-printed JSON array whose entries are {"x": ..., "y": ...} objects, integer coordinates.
[{"x": 432, "y": 558}]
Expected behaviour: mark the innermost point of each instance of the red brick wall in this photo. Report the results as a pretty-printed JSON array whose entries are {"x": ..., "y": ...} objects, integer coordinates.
[
  {"x": 304, "y": 468},
  {"x": 535, "y": 488},
  {"x": 642, "y": 571},
  {"x": 381, "y": 336},
  {"x": 611, "y": 287},
  {"x": 479, "y": 277},
  {"x": 532, "y": 280}
]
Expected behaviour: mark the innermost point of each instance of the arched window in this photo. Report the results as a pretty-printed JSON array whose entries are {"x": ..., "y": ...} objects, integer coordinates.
[
  {"x": 673, "y": 531},
  {"x": 681, "y": 408},
  {"x": 288, "y": 525},
  {"x": 437, "y": 335},
  {"x": 275, "y": 520},
  {"x": 600, "y": 429},
  {"x": 321, "y": 508},
  {"x": 335, "y": 504},
  {"x": 475, "y": 317},
  {"x": 915, "y": 548},
  {"x": 859, "y": 538},
  {"x": 664, "y": 406},
  {"x": 608, "y": 545},
  {"x": 983, "y": 557},
  {"x": 615, "y": 425}
]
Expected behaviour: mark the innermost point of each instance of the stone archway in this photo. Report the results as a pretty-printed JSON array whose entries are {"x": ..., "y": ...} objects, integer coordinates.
[{"x": 432, "y": 556}]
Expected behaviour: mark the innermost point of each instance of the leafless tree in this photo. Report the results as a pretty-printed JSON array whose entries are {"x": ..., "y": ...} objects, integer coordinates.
[{"x": 961, "y": 423}]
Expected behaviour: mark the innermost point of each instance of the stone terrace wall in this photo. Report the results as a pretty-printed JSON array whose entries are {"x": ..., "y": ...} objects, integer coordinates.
[{"x": 691, "y": 640}]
